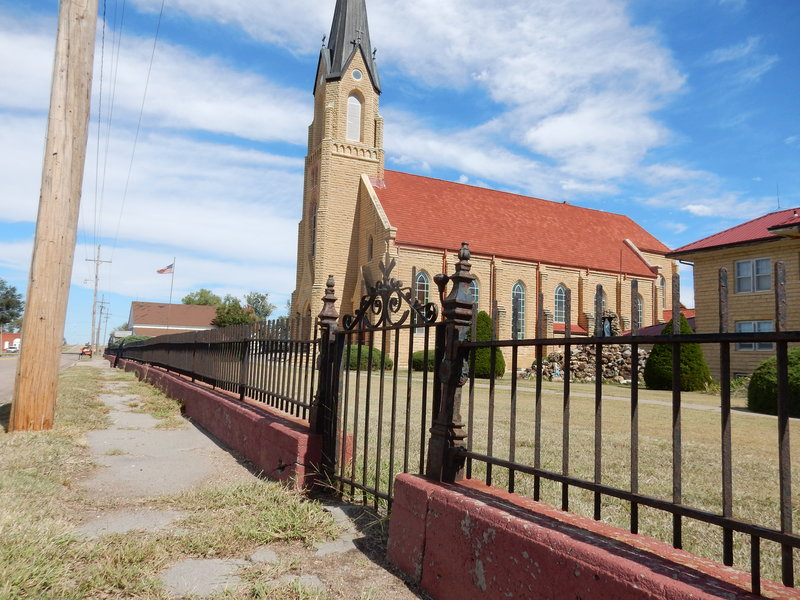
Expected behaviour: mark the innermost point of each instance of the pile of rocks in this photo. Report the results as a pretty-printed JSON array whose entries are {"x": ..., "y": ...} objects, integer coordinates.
[{"x": 615, "y": 359}]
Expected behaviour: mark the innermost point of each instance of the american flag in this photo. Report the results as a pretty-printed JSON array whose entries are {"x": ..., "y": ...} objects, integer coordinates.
[{"x": 166, "y": 270}]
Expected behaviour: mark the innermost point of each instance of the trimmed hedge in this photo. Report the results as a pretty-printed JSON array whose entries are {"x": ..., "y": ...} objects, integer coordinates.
[
  {"x": 422, "y": 362},
  {"x": 695, "y": 375},
  {"x": 129, "y": 340},
  {"x": 483, "y": 356},
  {"x": 762, "y": 394},
  {"x": 353, "y": 363}
]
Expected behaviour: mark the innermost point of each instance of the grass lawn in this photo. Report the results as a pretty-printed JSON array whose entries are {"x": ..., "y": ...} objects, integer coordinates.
[{"x": 396, "y": 421}]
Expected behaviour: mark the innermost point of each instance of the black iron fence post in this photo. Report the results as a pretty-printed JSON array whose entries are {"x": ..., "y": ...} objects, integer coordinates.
[
  {"x": 446, "y": 447},
  {"x": 325, "y": 407},
  {"x": 244, "y": 368}
]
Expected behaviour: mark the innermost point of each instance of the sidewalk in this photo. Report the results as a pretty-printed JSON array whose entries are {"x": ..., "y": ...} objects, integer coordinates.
[{"x": 139, "y": 463}]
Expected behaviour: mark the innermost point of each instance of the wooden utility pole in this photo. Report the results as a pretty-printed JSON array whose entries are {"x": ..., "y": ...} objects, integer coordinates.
[{"x": 33, "y": 404}]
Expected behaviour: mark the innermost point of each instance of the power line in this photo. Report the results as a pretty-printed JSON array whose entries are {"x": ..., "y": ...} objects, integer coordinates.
[{"x": 139, "y": 123}]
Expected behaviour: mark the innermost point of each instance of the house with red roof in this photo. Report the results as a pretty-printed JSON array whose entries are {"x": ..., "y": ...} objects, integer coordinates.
[
  {"x": 161, "y": 318},
  {"x": 527, "y": 252},
  {"x": 749, "y": 252}
]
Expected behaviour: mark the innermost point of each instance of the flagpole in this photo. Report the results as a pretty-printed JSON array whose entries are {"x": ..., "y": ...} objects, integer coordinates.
[{"x": 171, "y": 284}]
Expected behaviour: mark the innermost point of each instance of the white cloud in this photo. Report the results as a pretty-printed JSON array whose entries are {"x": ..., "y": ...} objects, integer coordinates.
[
  {"x": 793, "y": 141},
  {"x": 735, "y": 52},
  {"x": 582, "y": 68},
  {"x": 746, "y": 57}
]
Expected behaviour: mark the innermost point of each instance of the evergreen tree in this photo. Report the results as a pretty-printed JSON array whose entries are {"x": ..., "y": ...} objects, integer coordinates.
[
  {"x": 483, "y": 356},
  {"x": 695, "y": 375}
]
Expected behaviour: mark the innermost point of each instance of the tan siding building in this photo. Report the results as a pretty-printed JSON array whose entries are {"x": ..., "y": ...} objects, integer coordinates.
[{"x": 749, "y": 253}]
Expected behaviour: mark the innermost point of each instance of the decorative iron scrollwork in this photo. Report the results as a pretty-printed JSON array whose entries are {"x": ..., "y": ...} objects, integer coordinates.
[{"x": 382, "y": 305}]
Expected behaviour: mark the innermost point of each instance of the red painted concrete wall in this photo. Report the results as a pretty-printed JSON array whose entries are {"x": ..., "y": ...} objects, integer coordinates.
[
  {"x": 281, "y": 447},
  {"x": 471, "y": 541}
]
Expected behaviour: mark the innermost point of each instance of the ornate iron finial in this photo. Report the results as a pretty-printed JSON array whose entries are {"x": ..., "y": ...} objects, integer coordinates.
[
  {"x": 381, "y": 306},
  {"x": 328, "y": 313},
  {"x": 458, "y": 304}
]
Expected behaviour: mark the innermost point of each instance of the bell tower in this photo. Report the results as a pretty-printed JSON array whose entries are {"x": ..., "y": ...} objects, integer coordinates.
[{"x": 345, "y": 141}]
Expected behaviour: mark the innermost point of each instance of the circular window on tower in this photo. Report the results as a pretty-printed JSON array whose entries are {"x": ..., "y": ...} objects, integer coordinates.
[{"x": 356, "y": 74}]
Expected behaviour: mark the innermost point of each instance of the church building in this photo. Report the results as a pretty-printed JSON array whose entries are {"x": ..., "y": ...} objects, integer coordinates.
[{"x": 355, "y": 211}]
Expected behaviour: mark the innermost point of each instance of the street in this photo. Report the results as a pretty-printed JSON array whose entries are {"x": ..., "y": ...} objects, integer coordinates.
[{"x": 8, "y": 368}]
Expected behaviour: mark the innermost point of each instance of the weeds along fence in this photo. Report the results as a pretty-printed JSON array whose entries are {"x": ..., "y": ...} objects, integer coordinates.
[
  {"x": 267, "y": 362},
  {"x": 703, "y": 474}
]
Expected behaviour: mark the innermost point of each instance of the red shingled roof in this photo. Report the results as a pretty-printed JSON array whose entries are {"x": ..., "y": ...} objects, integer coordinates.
[
  {"x": 433, "y": 213},
  {"x": 174, "y": 315},
  {"x": 752, "y": 231}
]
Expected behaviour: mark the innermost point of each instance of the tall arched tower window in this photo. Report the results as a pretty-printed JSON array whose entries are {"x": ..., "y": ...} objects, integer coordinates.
[
  {"x": 313, "y": 226},
  {"x": 353, "y": 118},
  {"x": 518, "y": 311},
  {"x": 560, "y": 305},
  {"x": 370, "y": 247},
  {"x": 663, "y": 284}
]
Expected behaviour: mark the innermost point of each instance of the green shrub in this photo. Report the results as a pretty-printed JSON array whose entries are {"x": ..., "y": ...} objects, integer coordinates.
[
  {"x": 126, "y": 341},
  {"x": 353, "y": 362},
  {"x": 762, "y": 394},
  {"x": 420, "y": 361},
  {"x": 483, "y": 356},
  {"x": 695, "y": 375}
]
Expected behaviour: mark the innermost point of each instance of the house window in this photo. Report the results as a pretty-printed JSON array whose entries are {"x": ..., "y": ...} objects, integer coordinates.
[
  {"x": 638, "y": 310},
  {"x": 518, "y": 311},
  {"x": 560, "y": 303},
  {"x": 354, "y": 119},
  {"x": 754, "y": 327},
  {"x": 474, "y": 287},
  {"x": 753, "y": 275}
]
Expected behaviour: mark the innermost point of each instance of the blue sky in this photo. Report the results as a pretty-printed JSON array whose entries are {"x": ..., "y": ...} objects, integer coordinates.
[{"x": 681, "y": 114}]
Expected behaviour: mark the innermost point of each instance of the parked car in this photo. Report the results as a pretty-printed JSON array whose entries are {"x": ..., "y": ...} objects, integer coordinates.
[{"x": 13, "y": 348}]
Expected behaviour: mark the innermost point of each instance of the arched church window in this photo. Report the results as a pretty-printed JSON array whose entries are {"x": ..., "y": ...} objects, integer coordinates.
[
  {"x": 354, "y": 118},
  {"x": 370, "y": 248},
  {"x": 422, "y": 284},
  {"x": 518, "y": 311},
  {"x": 602, "y": 300},
  {"x": 638, "y": 310},
  {"x": 560, "y": 305},
  {"x": 313, "y": 226},
  {"x": 475, "y": 288},
  {"x": 663, "y": 285}
]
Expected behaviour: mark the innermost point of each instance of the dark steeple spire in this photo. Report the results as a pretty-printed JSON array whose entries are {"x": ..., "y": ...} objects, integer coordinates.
[{"x": 349, "y": 32}]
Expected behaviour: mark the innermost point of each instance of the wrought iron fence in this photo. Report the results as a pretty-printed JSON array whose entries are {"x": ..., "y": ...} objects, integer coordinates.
[
  {"x": 268, "y": 362},
  {"x": 557, "y": 445},
  {"x": 629, "y": 461}
]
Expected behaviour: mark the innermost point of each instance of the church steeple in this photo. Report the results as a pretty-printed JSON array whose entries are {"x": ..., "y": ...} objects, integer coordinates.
[{"x": 349, "y": 33}]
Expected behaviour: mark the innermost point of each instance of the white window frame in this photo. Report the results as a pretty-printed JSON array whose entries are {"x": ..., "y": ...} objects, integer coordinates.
[
  {"x": 560, "y": 304},
  {"x": 422, "y": 289},
  {"x": 354, "y": 110},
  {"x": 475, "y": 288},
  {"x": 757, "y": 279},
  {"x": 638, "y": 309},
  {"x": 518, "y": 291},
  {"x": 756, "y": 326}
]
